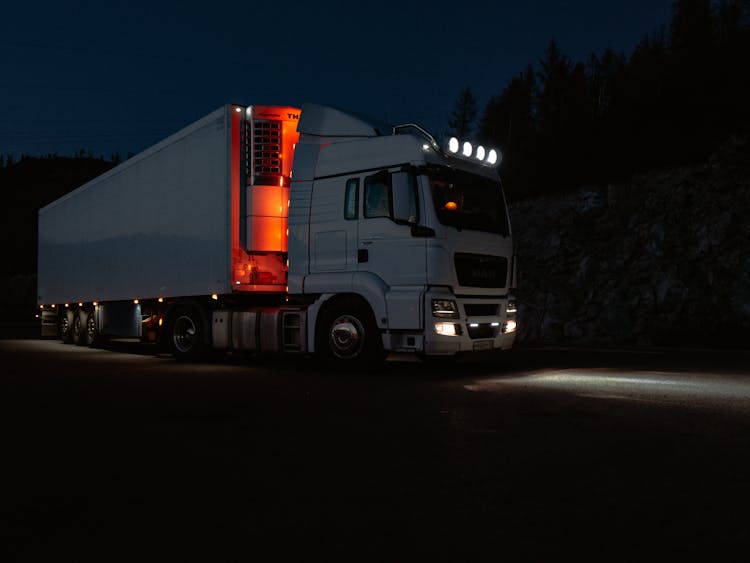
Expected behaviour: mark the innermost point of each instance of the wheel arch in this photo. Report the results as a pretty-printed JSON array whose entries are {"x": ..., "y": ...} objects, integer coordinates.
[{"x": 324, "y": 303}]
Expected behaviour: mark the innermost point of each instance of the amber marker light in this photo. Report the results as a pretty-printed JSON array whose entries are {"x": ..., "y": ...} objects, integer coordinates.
[
  {"x": 95, "y": 303},
  {"x": 214, "y": 296},
  {"x": 160, "y": 300},
  {"x": 451, "y": 206},
  {"x": 80, "y": 304},
  {"x": 135, "y": 301}
]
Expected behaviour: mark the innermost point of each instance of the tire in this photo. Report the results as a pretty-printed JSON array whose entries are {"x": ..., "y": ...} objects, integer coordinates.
[
  {"x": 65, "y": 326},
  {"x": 90, "y": 329},
  {"x": 347, "y": 336},
  {"x": 78, "y": 328},
  {"x": 187, "y": 333}
]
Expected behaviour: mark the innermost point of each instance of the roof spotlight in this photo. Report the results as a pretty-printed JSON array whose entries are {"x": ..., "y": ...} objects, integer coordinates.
[
  {"x": 480, "y": 152},
  {"x": 453, "y": 145},
  {"x": 467, "y": 149},
  {"x": 492, "y": 157}
]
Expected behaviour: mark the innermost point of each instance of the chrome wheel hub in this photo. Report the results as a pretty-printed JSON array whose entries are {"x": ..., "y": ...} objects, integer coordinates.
[
  {"x": 184, "y": 334},
  {"x": 346, "y": 337}
]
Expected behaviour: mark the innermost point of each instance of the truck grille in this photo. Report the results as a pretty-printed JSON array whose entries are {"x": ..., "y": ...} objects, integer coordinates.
[
  {"x": 481, "y": 270},
  {"x": 480, "y": 309},
  {"x": 266, "y": 147}
]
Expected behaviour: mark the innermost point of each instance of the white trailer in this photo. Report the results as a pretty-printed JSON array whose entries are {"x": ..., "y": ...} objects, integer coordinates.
[{"x": 275, "y": 229}]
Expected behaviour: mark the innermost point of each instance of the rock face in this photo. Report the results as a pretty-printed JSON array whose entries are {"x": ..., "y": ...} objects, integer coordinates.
[{"x": 662, "y": 260}]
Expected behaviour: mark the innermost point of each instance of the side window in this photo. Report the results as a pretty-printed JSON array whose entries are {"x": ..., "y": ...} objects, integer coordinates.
[
  {"x": 413, "y": 200},
  {"x": 351, "y": 199},
  {"x": 378, "y": 195}
]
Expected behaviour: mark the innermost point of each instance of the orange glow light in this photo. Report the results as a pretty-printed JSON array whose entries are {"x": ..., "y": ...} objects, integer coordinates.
[
  {"x": 135, "y": 301},
  {"x": 214, "y": 296},
  {"x": 161, "y": 300},
  {"x": 161, "y": 321},
  {"x": 451, "y": 206},
  {"x": 53, "y": 305},
  {"x": 80, "y": 304}
]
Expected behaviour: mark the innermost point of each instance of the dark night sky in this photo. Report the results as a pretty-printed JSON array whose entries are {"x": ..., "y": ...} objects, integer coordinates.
[{"x": 119, "y": 76}]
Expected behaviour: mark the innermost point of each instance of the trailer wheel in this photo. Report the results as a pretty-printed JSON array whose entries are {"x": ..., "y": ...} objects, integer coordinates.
[
  {"x": 79, "y": 327},
  {"x": 347, "y": 335},
  {"x": 65, "y": 326},
  {"x": 90, "y": 329},
  {"x": 186, "y": 334}
]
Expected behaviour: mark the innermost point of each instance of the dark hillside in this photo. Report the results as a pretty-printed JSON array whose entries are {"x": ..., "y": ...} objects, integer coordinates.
[
  {"x": 28, "y": 185},
  {"x": 661, "y": 259}
]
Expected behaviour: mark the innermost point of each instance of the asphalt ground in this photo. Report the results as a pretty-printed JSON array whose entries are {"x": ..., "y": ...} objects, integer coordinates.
[{"x": 123, "y": 454}]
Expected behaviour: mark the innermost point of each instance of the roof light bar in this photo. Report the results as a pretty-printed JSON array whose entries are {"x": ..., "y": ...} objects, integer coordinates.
[{"x": 486, "y": 157}]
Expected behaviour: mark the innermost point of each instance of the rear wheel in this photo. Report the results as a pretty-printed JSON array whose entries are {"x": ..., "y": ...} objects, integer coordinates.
[
  {"x": 347, "y": 335},
  {"x": 187, "y": 333},
  {"x": 90, "y": 329},
  {"x": 79, "y": 327},
  {"x": 65, "y": 326}
]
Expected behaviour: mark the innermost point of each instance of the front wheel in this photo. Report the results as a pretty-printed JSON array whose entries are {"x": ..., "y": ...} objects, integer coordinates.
[{"x": 347, "y": 335}]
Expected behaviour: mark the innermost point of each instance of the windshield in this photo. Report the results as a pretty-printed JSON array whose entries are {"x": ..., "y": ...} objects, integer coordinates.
[{"x": 468, "y": 201}]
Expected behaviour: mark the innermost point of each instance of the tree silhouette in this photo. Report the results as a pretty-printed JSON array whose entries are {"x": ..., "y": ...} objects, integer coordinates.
[
  {"x": 464, "y": 114},
  {"x": 681, "y": 92}
]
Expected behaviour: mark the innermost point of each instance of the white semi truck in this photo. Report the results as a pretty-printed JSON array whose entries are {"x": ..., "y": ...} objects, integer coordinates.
[{"x": 278, "y": 229}]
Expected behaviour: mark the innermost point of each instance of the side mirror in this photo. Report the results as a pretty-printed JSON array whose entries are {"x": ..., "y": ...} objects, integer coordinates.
[{"x": 404, "y": 206}]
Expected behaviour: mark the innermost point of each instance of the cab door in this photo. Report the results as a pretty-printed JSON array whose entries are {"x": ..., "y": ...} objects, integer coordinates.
[{"x": 386, "y": 248}]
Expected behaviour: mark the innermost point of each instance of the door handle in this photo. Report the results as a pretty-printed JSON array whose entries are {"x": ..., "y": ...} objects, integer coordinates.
[{"x": 362, "y": 255}]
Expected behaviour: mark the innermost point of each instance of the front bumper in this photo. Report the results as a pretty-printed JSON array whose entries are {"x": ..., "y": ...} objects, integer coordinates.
[{"x": 483, "y": 324}]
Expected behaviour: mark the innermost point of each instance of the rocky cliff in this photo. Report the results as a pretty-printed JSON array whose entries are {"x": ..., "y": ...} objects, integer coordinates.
[{"x": 661, "y": 260}]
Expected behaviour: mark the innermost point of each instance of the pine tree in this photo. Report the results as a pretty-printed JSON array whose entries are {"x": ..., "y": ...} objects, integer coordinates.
[
  {"x": 554, "y": 74},
  {"x": 463, "y": 115},
  {"x": 508, "y": 119}
]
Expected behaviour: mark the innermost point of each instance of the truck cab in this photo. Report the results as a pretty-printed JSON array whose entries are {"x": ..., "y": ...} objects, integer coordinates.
[{"x": 390, "y": 234}]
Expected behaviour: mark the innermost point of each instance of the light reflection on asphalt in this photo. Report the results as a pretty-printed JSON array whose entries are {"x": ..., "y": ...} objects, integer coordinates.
[{"x": 700, "y": 390}]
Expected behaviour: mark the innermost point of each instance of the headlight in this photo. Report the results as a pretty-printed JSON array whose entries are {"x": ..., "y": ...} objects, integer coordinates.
[
  {"x": 447, "y": 329},
  {"x": 444, "y": 308}
]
